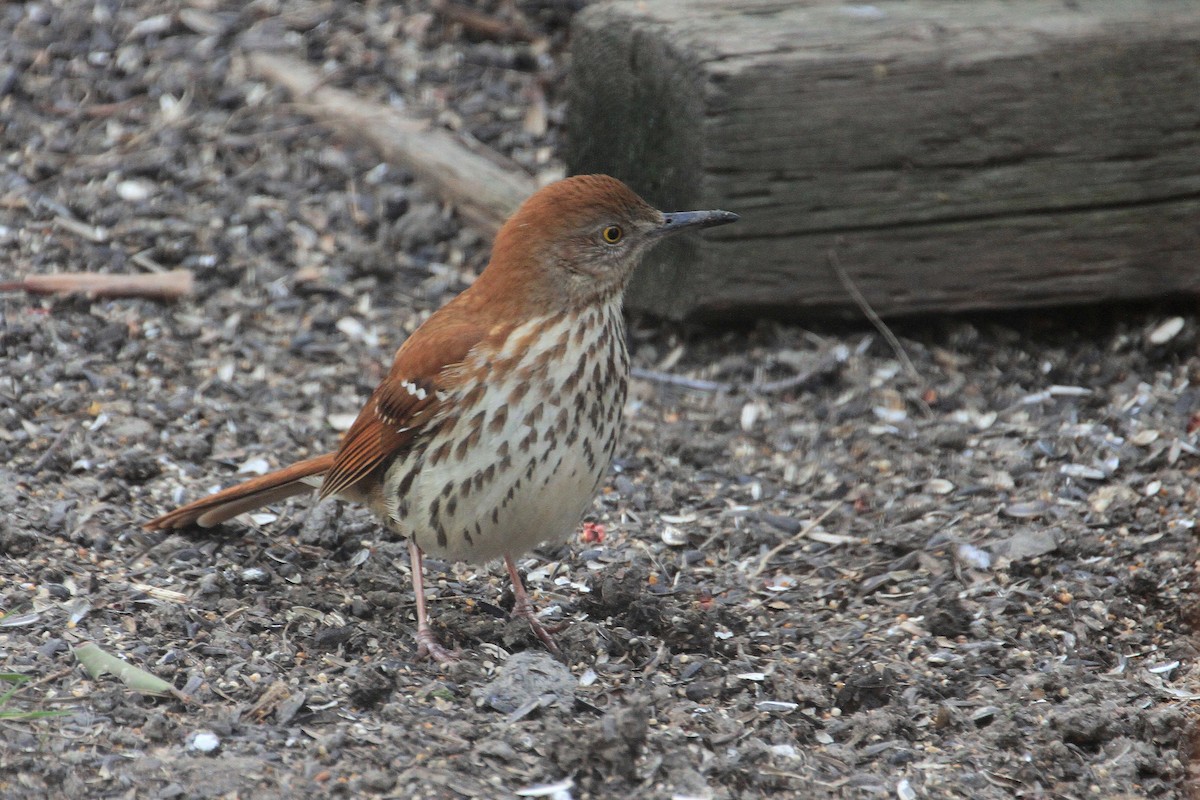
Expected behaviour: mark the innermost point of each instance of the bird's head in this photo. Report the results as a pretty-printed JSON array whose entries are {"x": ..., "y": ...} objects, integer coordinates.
[{"x": 577, "y": 241}]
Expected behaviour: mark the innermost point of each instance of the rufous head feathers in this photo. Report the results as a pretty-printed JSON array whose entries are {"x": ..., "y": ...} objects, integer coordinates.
[{"x": 578, "y": 240}]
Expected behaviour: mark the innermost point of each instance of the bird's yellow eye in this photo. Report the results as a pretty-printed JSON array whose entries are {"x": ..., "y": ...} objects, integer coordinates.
[{"x": 612, "y": 234}]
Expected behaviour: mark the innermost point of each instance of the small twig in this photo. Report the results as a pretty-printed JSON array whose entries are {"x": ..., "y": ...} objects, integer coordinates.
[
  {"x": 485, "y": 186},
  {"x": 39, "y": 201},
  {"x": 826, "y": 366},
  {"x": 147, "y": 263},
  {"x": 161, "y": 286},
  {"x": 861, "y": 301},
  {"x": 54, "y": 445},
  {"x": 93, "y": 233},
  {"x": 482, "y": 25},
  {"x": 805, "y": 531},
  {"x": 697, "y": 384},
  {"x": 53, "y": 676}
]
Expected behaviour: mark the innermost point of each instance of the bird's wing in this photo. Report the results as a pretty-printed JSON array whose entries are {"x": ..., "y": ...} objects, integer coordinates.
[{"x": 402, "y": 407}]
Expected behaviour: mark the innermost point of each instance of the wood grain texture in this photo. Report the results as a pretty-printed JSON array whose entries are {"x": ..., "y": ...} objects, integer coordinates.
[{"x": 989, "y": 154}]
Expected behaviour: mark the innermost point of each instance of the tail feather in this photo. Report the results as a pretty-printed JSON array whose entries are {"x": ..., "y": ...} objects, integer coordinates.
[{"x": 224, "y": 505}]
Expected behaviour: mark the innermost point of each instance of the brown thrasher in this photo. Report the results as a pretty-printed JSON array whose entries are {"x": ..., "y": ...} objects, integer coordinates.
[{"x": 500, "y": 414}]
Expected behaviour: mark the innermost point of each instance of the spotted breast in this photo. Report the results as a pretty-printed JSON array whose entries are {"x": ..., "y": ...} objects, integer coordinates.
[{"x": 518, "y": 454}]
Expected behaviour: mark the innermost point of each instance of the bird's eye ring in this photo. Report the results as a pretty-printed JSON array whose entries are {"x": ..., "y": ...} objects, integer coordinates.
[{"x": 611, "y": 234}]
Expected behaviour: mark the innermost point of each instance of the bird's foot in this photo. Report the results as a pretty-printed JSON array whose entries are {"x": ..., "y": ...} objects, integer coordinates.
[
  {"x": 525, "y": 610},
  {"x": 429, "y": 647}
]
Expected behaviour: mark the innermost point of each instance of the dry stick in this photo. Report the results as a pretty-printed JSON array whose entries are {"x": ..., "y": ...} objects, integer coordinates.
[
  {"x": 161, "y": 285},
  {"x": 483, "y": 25},
  {"x": 805, "y": 531},
  {"x": 485, "y": 186},
  {"x": 767, "y": 387},
  {"x": 671, "y": 379},
  {"x": 828, "y": 366},
  {"x": 54, "y": 445},
  {"x": 53, "y": 676},
  {"x": 147, "y": 263},
  {"x": 93, "y": 233},
  {"x": 865, "y": 307}
]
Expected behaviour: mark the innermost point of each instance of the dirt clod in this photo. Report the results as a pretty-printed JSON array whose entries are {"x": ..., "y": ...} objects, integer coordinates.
[{"x": 528, "y": 678}]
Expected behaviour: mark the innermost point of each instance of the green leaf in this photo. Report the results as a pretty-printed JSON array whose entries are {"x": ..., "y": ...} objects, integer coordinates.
[
  {"x": 97, "y": 662},
  {"x": 16, "y": 679}
]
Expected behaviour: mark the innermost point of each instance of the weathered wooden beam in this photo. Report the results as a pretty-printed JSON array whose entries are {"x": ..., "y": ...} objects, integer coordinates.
[{"x": 991, "y": 154}]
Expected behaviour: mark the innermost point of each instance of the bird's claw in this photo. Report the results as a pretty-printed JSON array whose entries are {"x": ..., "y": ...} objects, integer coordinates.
[
  {"x": 525, "y": 610},
  {"x": 429, "y": 647}
]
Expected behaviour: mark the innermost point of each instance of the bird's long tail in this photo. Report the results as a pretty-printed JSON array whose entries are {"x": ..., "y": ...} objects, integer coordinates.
[{"x": 206, "y": 512}]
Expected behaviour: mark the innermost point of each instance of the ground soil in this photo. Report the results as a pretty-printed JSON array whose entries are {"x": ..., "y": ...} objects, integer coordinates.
[{"x": 968, "y": 576}]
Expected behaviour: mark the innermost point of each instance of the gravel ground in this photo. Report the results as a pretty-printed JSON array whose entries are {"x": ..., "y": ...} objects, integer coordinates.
[{"x": 835, "y": 572}]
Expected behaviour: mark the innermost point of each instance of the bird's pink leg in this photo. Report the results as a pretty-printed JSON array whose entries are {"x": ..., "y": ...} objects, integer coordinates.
[
  {"x": 427, "y": 643},
  {"x": 523, "y": 608}
]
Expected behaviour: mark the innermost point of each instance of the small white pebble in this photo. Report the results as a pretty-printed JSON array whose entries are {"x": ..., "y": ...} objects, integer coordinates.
[
  {"x": 1144, "y": 437},
  {"x": 1082, "y": 471},
  {"x": 752, "y": 676},
  {"x": 171, "y": 108},
  {"x": 780, "y": 583},
  {"x": 134, "y": 191},
  {"x": 555, "y": 791},
  {"x": 1166, "y": 331},
  {"x": 341, "y": 422},
  {"x": 204, "y": 742},
  {"x": 255, "y": 575},
  {"x": 1162, "y": 669},
  {"x": 673, "y": 537},
  {"x": 892, "y": 415},
  {"x": 376, "y": 174},
  {"x": 750, "y": 415},
  {"x": 254, "y": 466},
  {"x": 986, "y": 420},
  {"x": 356, "y": 331},
  {"x": 974, "y": 557}
]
